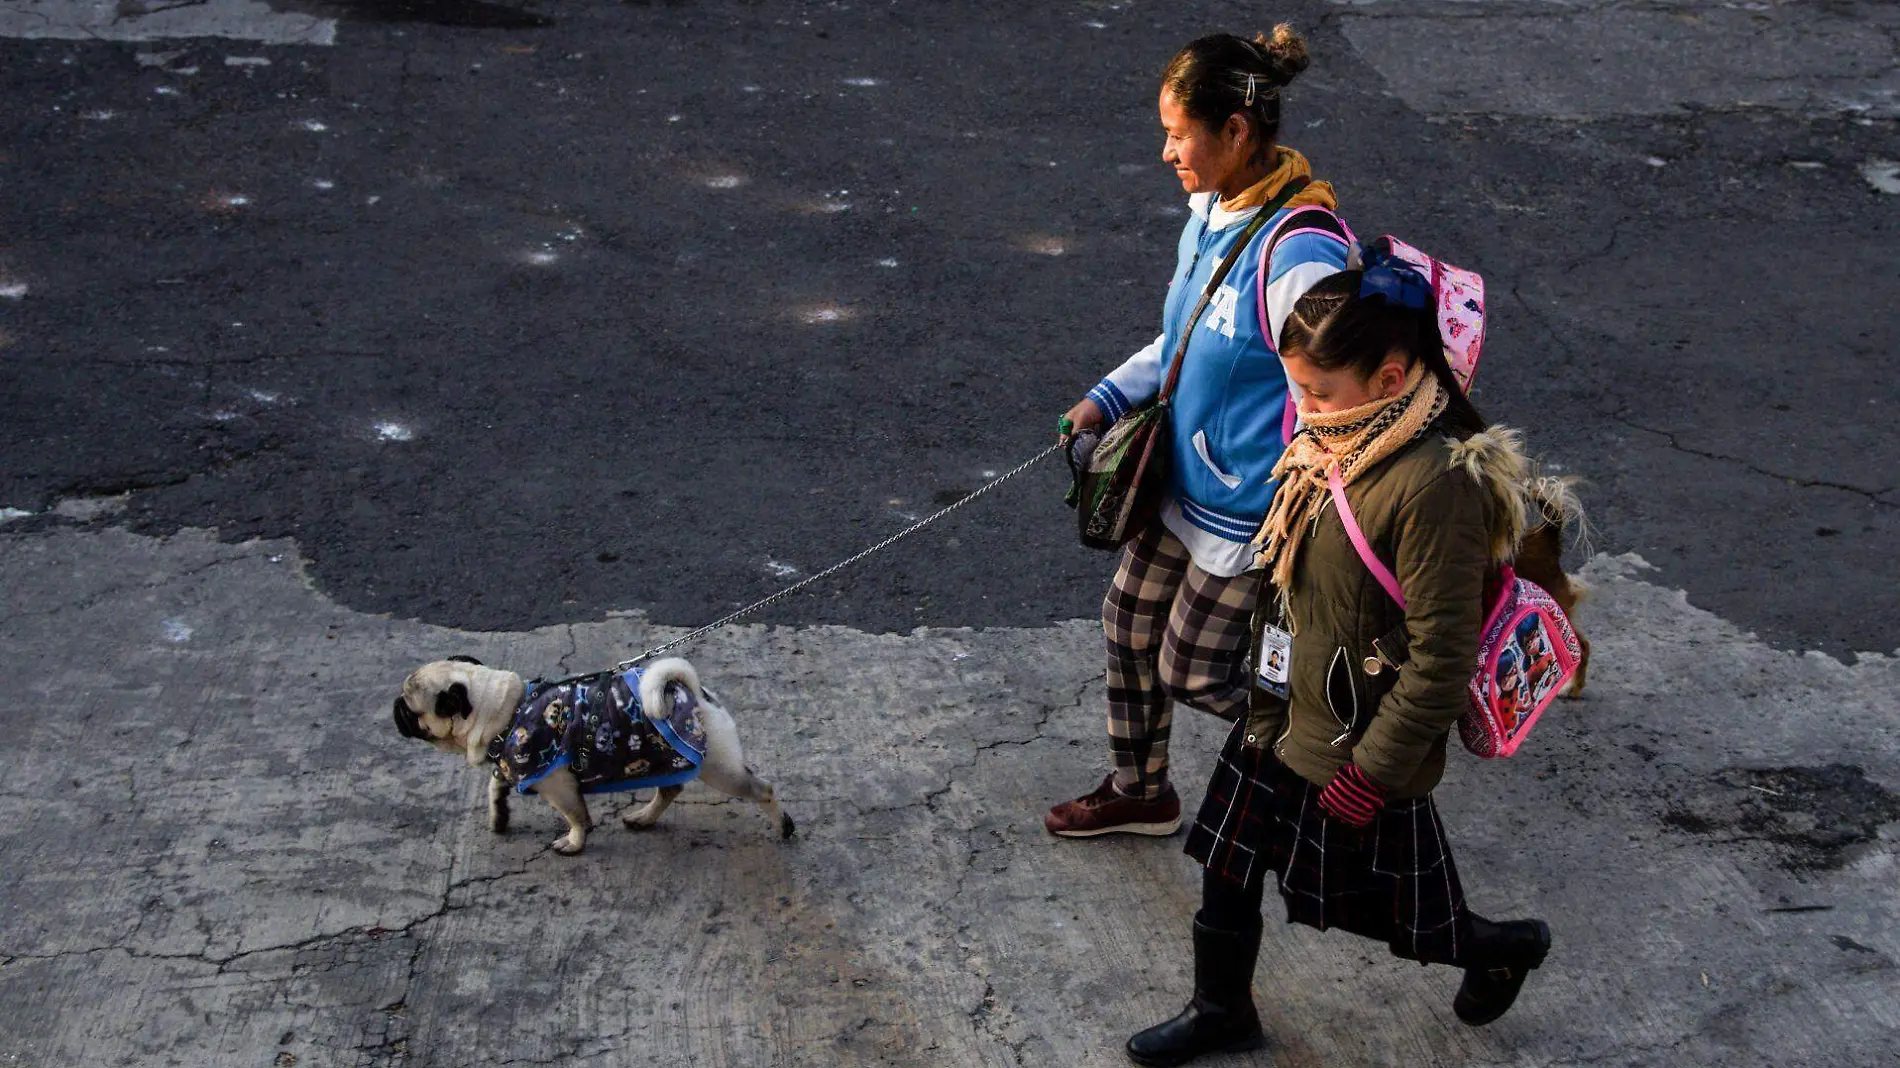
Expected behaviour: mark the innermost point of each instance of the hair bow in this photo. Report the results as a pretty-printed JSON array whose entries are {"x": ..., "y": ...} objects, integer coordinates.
[{"x": 1395, "y": 281}]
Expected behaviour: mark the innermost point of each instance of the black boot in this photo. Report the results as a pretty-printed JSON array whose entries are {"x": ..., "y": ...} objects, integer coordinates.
[
  {"x": 1221, "y": 1018},
  {"x": 1501, "y": 955}
]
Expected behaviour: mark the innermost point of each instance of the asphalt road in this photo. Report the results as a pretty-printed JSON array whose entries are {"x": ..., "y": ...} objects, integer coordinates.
[
  {"x": 337, "y": 336},
  {"x": 510, "y": 321}
]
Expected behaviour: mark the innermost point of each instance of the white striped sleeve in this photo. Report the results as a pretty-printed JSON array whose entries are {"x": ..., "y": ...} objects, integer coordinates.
[
  {"x": 1313, "y": 257},
  {"x": 1134, "y": 383}
]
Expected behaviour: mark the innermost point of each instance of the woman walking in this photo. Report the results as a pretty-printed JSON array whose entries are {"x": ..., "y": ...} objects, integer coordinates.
[
  {"x": 1176, "y": 615},
  {"x": 1326, "y": 785}
]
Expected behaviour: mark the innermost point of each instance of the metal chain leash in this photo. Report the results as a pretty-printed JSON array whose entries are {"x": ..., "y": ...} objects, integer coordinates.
[{"x": 840, "y": 565}]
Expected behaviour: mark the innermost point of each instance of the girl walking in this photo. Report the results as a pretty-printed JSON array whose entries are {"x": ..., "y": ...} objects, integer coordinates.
[
  {"x": 1325, "y": 787},
  {"x": 1176, "y": 615}
]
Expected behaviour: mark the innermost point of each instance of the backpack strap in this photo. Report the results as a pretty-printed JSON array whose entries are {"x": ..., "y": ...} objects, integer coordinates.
[
  {"x": 1309, "y": 219},
  {"x": 1359, "y": 543}
]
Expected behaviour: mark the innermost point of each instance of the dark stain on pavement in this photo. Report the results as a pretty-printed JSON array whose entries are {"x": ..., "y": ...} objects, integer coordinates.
[{"x": 1814, "y": 816}]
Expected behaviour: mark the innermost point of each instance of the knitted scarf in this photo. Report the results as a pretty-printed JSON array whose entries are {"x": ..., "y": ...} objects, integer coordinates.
[
  {"x": 1353, "y": 440},
  {"x": 1288, "y": 164}
]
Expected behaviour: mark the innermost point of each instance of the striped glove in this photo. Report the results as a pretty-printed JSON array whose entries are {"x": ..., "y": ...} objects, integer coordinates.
[{"x": 1352, "y": 797}]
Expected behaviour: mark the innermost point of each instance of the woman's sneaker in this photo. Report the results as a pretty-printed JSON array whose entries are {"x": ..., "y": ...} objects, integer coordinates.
[{"x": 1109, "y": 811}]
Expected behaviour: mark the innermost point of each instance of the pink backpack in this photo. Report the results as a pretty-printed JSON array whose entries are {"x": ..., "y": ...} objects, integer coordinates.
[
  {"x": 1527, "y": 655},
  {"x": 1528, "y": 652},
  {"x": 1460, "y": 297}
]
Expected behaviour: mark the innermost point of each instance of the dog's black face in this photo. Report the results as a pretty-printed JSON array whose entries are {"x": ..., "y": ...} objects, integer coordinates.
[
  {"x": 408, "y": 724},
  {"x": 450, "y": 704}
]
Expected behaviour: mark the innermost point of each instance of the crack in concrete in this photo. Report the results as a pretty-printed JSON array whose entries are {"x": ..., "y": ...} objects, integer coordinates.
[
  {"x": 172, "y": 579},
  {"x": 372, "y": 932},
  {"x": 983, "y": 1017},
  {"x": 930, "y": 797}
]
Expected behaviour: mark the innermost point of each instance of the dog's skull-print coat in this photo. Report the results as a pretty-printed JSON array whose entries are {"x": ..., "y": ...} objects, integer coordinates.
[{"x": 595, "y": 726}]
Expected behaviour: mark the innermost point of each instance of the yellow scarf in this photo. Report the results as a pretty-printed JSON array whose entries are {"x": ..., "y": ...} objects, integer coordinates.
[
  {"x": 1288, "y": 164},
  {"x": 1353, "y": 440}
]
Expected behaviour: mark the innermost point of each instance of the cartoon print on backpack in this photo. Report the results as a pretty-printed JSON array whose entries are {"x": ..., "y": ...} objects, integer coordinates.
[
  {"x": 1514, "y": 692},
  {"x": 1540, "y": 659}
]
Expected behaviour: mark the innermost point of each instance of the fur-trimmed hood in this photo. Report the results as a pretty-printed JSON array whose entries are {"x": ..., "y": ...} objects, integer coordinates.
[
  {"x": 1523, "y": 497},
  {"x": 1495, "y": 458}
]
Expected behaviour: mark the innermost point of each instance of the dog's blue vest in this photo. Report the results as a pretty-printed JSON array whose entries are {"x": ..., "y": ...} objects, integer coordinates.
[{"x": 595, "y": 726}]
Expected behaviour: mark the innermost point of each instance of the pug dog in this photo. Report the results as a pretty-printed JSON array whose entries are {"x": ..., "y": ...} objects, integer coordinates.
[{"x": 563, "y": 740}]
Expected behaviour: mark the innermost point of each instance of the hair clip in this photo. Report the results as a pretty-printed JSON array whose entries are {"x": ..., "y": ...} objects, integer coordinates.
[
  {"x": 1394, "y": 281},
  {"x": 1249, "y": 100}
]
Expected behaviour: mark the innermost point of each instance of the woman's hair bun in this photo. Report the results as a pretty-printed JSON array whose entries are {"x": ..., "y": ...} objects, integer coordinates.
[{"x": 1286, "y": 52}]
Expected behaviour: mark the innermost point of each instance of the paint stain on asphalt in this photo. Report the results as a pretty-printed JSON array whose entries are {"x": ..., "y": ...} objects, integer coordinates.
[
  {"x": 1883, "y": 175},
  {"x": 825, "y": 313},
  {"x": 393, "y": 432}
]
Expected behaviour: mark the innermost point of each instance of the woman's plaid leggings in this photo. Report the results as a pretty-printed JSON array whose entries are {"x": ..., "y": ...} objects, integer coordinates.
[{"x": 1175, "y": 633}]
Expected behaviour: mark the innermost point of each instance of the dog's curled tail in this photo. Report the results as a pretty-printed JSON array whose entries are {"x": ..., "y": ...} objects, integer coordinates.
[
  {"x": 1555, "y": 496},
  {"x": 655, "y": 679}
]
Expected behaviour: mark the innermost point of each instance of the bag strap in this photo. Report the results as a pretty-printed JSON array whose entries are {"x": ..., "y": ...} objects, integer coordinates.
[
  {"x": 1267, "y": 211},
  {"x": 1359, "y": 543}
]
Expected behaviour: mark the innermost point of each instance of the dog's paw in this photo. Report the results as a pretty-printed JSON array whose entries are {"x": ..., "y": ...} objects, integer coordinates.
[
  {"x": 567, "y": 847},
  {"x": 639, "y": 819}
]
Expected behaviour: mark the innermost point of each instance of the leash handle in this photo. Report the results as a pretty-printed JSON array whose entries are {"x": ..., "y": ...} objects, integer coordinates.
[{"x": 733, "y": 617}]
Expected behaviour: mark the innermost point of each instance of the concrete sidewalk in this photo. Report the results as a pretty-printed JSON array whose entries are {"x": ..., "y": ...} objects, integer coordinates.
[{"x": 219, "y": 852}]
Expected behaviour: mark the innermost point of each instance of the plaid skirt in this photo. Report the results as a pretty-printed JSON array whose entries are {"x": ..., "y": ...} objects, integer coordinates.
[{"x": 1393, "y": 881}]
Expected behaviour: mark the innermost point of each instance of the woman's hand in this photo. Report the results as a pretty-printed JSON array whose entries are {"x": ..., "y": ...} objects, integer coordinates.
[{"x": 1086, "y": 415}]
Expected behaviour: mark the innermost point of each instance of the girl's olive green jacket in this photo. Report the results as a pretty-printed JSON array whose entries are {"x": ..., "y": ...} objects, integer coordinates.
[{"x": 1372, "y": 683}]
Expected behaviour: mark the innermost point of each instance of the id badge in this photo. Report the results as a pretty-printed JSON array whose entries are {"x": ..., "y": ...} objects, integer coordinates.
[{"x": 1276, "y": 661}]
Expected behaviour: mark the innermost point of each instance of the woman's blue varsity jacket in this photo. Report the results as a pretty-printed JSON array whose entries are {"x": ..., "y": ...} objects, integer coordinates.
[{"x": 1231, "y": 400}]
